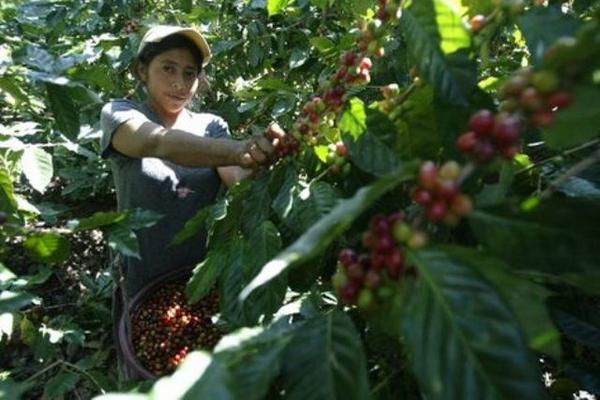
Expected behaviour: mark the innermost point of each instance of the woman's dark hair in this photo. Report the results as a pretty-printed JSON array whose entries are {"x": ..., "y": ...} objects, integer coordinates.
[{"x": 176, "y": 41}]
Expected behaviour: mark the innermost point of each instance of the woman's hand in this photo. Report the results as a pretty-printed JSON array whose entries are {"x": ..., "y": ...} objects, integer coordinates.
[{"x": 260, "y": 150}]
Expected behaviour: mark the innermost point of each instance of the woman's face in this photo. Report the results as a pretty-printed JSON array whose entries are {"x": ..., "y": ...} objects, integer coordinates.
[{"x": 171, "y": 80}]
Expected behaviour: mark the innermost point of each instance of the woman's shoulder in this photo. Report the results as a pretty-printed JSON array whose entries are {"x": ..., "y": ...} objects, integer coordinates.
[
  {"x": 213, "y": 124},
  {"x": 121, "y": 105},
  {"x": 207, "y": 117}
]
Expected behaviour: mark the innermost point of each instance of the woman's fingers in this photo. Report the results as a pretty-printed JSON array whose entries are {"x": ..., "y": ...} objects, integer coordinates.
[{"x": 274, "y": 131}]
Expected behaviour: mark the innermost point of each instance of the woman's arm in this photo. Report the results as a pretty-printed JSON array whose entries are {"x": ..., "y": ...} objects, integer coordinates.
[{"x": 141, "y": 138}]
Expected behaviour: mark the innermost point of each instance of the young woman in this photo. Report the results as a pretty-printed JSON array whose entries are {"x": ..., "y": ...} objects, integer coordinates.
[{"x": 168, "y": 159}]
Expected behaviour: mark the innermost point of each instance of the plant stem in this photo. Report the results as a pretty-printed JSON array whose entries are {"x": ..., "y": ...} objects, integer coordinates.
[
  {"x": 43, "y": 371},
  {"x": 558, "y": 156},
  {"x": 574, "y": 170},
  {"x": 87, "y": 374}
]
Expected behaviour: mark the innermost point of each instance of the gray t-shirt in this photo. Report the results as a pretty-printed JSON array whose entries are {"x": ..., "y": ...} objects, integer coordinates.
[{"x": 169, "y": 189}]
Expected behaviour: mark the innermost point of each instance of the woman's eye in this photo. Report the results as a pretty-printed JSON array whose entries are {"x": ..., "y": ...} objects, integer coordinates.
[
  {"x": 190, "y": 75},
  {"x": 168, "y": 68}
]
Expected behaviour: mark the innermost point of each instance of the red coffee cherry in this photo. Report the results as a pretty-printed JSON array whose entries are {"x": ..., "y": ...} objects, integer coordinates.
[
  {"x": 477, "y": 22},
  {"x": 482, "y": 123}
]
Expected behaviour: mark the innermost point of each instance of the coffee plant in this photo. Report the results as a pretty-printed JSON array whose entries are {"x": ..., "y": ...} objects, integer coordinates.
[{"x": 428, "y": 230}]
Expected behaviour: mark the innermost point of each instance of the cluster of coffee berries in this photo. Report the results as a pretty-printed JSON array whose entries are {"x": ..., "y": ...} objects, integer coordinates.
[
  {"x": 535, "y": 95},
  {"x": 354, "y": 69},
  {"x": 362, "y": 278},
  {"x": 370, "y": 34},
  {"x": 283, "y": 144},
  {"x": 489, "y": 135},
  {"x": 337, "y": 159},
  {"x": 390, "y": 97},
  {"x": 131, "y": 26},
  {"x": 439, "y": 193},
  {"x": 166, "y": 328}
]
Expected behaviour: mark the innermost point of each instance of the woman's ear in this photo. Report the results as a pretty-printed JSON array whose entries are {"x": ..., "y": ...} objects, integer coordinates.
[{"x": 142, "y": 71}]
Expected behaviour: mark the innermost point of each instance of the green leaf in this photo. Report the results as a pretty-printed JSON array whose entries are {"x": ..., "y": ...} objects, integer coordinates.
[
  {"x": 8, "y": 85},
  {"x": 284, "y": 201},
  {"x": 325, "y": 360},
  {"x": 298, "y": 57},
  {"x": 192, "y": 226},
  {"x": 13, "y": 301},
  {"x": 577, "y": 320},
  {"x": 465, "y": 341},
  {"x": 371, "y": 155},
  {"x": 527, "y": 299},
  {"x": 97, "y": 220},
  {"x": 434, "y": 29},
  {"x": 8, "y": 203},
  {"x": 308, "y": 210},
  {"x": 264, "y": 243},
  {"x": 558, "y": 236},
  {"x": 6, "y": 274},
  {"x": 256, "y": 205},
  {"x": 122, "y": 239},
  {"x": 47, "y": 247},
  {"x": 64, "y": 109},
  {"x": 198, "y": 377},
  {"x": 578, "y": 123},
  {"x": 276, "y": 6},
  {"x": 138, "y": 218},
  {"x": 205, "y": 275},
  {"x": 11, "y": 390},
  {"x": 353, "y": 120},
  {"x": 322, "y": 43},
  {"x": 60, "y": 384},
  {"x": 534, "y": 25},
  {"x": 326, "y": 230}
]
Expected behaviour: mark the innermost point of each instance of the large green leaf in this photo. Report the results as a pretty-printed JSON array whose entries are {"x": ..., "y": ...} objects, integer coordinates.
[
  {"x": 98, "y": 219},
  {"x": 325, "y": 360},
  {"x": 353, "y": 119},
  {"x": 205, "y": 275},
  {"x": 557, "y": 236},
  {"x": 465, "y": 341},
  {"x": 264, "y": 244},
  {"x": 256, "y": 205},
  {"x": 579, "y": 122},
  {"x": 288, "y": 190},
  {"x": 527, "y": 299},
  {"x": 254, "y": 357},
  {"x": 434, "y": 29},
  {"x": 13, "y": 301},
  {"x": 276, "y": 6},
  {"x": 122, "y": 239},
  {"x": 64, "y": 109},
  {"x": 60, "y": 384},
  {"x": 192, "y": 226},
  {"x": 535, "y": 22},
  {"x": 320, "y": 235},
  {"x": 47, "y": 247},
  {"x": 198, "y": 377},
  {"x": 371, "y": 155},
  {"x": 306, "y": 212},
  {"x": 8, "y": 203},
  {"x": 578, "y": 320}
]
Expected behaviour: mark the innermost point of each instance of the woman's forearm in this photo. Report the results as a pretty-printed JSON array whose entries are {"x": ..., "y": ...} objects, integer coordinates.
[{"x": 187, "y": 149}]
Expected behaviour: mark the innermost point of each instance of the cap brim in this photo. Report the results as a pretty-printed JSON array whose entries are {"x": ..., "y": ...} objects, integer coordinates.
[{"x": 158, "y": 33}]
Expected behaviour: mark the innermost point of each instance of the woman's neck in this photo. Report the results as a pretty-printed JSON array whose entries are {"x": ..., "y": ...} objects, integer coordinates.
[{"x": 167, "y": 119}]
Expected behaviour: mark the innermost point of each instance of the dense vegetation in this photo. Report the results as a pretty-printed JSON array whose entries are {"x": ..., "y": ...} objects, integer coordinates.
[{"x": 430, "y": 229}]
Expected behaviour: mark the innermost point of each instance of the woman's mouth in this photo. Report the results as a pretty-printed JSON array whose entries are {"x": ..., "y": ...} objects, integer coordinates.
[{"x": 176, "y": 98}]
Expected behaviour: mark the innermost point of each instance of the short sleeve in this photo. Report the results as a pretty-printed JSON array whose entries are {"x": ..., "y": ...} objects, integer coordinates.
[
  {"x": 113, "y": 115},
  {"x": 217, "y": 127}
]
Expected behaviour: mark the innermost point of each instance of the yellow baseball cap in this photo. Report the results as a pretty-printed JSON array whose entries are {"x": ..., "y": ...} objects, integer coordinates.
[{"x": 159, "y": 32}]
